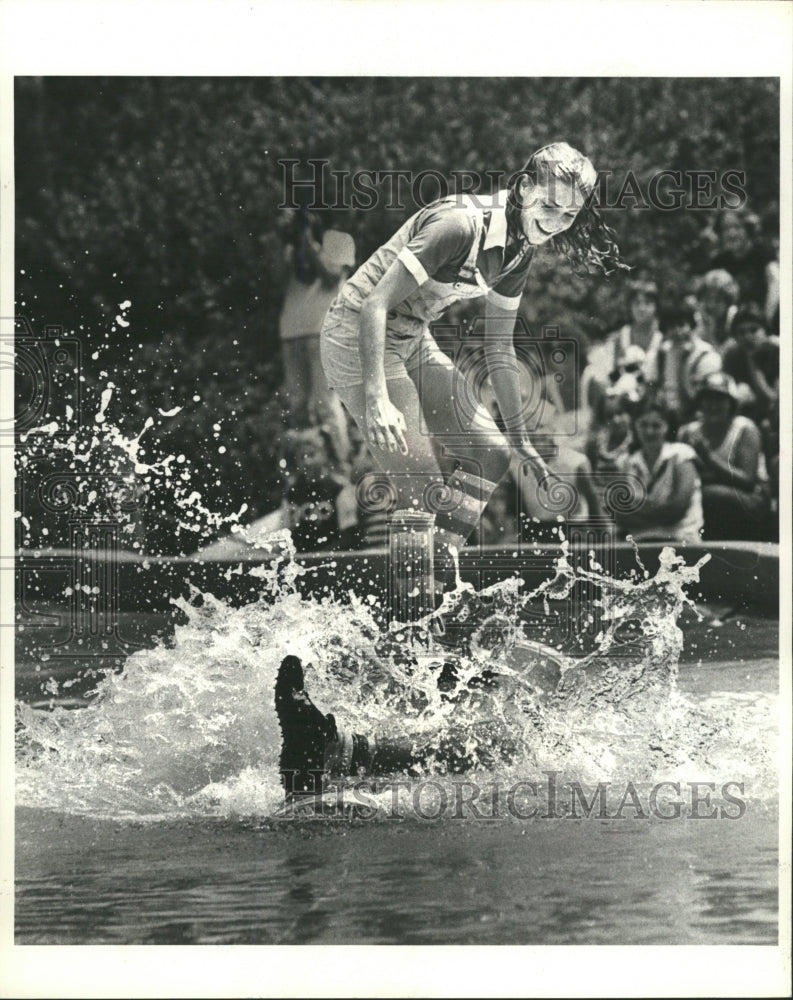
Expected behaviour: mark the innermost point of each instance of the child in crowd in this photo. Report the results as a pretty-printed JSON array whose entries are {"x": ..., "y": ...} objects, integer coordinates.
[
  {"x": 682, "y": 361},
  {"x": 576, "y": 496},
  {"x": 635, "y": 340}
]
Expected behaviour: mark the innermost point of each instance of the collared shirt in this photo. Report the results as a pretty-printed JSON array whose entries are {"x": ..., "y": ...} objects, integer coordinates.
[
  {"x": 454, "y": 249},
  {"x": 680, "y": 368}
]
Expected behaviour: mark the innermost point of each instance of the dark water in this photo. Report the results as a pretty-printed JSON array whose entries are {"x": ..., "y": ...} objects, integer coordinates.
[
  {"x": 543, "y": 882},
  {"x": 231, "y": 880}
]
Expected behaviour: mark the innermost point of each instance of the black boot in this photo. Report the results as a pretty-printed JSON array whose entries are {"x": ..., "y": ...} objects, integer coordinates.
[{"x": 305, "y": 731}]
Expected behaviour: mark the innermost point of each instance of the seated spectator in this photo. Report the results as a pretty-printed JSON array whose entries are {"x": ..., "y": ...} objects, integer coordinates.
[
  {"x": 313, "y": 486},
  {"x": 769, "y": 430},
  {"x": 728, "y": 449},
  {"x": 751, "y": 358},
  {"x": 666, "y": 479},
  {"x": 717, "y": 294},
  {"x": 577, "y": 497},
  {"x": 318, "y": 263},
  {"x": 631, "y": 343},
  {"x": 741, "y": 250},
  {"x": 682, "y": 361}
]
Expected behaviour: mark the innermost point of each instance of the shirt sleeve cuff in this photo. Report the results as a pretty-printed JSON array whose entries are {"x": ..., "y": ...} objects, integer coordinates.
[
  {"x": 510, "y": 302},
  {"x": 413, "y": 264}
]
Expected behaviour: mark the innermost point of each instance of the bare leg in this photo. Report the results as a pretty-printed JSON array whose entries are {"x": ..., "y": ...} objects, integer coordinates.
[
  {"x": 324, "y": 403},
  {"x": 434, "y": 419}
]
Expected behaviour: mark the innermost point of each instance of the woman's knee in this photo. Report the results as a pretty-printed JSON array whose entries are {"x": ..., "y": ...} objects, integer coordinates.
[{"x": 488, "y": 457}]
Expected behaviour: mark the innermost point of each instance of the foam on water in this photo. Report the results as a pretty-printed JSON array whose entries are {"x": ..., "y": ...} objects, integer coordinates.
[{"x": 189, "y": 728}]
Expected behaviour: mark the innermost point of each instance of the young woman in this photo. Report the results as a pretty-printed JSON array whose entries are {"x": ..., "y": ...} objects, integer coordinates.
[
  {"x": 403, "y": 392},
  {"x": 667, "y": 481}
]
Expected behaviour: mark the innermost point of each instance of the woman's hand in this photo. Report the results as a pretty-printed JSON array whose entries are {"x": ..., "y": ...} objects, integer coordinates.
[
  {"x": 526, "y": 450},
  {"x": 546, "y": 477},
  {"x": 700, "y": 446},
  {"x": 385, "y": 425}
]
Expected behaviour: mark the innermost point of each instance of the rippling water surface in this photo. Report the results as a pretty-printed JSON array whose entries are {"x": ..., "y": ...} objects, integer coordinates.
[{"x": 152, "y": 813}]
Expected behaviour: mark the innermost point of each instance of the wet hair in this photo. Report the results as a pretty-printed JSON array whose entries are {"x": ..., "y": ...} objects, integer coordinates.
[{"x": 589, "y": 244}]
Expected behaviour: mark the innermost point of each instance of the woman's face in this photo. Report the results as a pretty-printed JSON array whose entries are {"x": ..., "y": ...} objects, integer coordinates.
[
  {"x": 642, "y": 308},
  {"x": 651, "y": 429},
  {"x": 549, "y": 207}
]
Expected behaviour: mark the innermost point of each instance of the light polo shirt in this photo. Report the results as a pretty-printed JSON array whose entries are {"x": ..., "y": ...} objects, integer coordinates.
[{"x": 454, "y": 249}]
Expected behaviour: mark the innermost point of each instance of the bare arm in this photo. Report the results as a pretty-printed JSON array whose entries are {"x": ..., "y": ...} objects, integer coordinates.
[
  {"x": 385, "y": 425},
  {"x": 502, "y": 365},
  {"x": 740, "y": 470},
  {"x": 651, "y": 513}
]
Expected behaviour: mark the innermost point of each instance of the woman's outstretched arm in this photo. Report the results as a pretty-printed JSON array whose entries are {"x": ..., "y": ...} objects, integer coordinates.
[
  {"x": 385, "y": 424},
  {"x": 504, "y": 370}
]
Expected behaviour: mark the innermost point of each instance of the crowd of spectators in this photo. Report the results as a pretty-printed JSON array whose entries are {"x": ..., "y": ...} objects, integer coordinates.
[{"x": 675, "y": 412}]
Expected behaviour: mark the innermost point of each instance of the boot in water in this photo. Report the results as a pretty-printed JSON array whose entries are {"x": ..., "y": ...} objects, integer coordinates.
[{"x": 305, "y": 731}]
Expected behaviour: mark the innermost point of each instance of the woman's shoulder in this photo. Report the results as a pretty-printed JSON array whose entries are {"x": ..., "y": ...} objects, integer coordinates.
[
  {"x": 679, "y": 451},
  {"x": 453, "y": 217},
  {"x": 743, "y": 426}
]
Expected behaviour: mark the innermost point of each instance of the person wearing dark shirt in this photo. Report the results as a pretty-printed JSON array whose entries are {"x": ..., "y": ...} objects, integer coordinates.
[
  {"x": 728, "y": 447},
  {"x": 751, "y": 358},
  {"x": 750, "y": 260},
  {"x": 401, "y": 389}
]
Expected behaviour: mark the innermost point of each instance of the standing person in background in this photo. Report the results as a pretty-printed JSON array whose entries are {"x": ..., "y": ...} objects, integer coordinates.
[
  {"x": 397, "y": 384},
  {"x": 682, "y": 361},
  {"x": 318, "y": 265},
  {"x": 729, "y": 456}
]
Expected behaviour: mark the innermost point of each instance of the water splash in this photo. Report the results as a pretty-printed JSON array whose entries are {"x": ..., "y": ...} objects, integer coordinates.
[
  {"x": 189, "y": 728},
  {"x": 103, "y": 470}
]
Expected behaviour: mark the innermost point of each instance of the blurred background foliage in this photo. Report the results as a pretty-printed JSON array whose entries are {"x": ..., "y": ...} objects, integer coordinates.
[{"x": 166, "y": 192}]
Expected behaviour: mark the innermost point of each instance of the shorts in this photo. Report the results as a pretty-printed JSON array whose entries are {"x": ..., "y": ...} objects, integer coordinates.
[{"x": 409, "y": 344}]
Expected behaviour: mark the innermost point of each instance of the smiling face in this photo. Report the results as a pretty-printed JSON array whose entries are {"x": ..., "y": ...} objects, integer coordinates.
[
  {"x": 651, "y": 429},
  {"x": 549, "y": 207}
]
